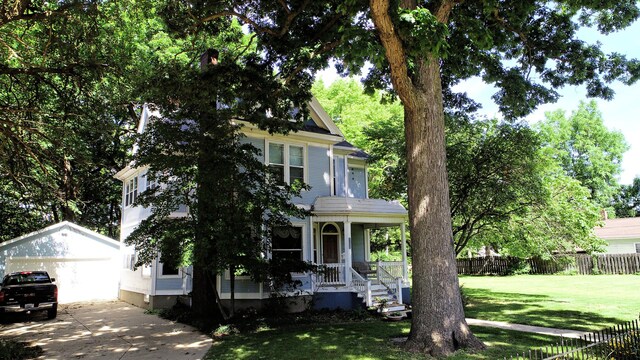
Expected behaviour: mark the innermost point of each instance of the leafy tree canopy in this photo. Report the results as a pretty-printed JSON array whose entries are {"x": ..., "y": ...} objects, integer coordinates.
[
  {"x": 585, "y": 149},
  {"x": 627, "y": 201},
  {"x": 63, "y": 111}
]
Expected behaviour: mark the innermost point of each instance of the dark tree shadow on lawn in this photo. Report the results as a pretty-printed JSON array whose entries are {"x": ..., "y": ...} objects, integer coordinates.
[{"x": 531, "y": 310}]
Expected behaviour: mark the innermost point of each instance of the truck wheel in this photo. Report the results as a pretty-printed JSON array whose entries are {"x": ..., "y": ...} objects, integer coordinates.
[{"x": 53, "y": 312}]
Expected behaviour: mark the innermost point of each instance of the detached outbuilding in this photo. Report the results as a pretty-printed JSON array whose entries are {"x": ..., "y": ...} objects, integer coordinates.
[
  {"x": 85, "y": 264},
  {"x": 622, "y": 235}
]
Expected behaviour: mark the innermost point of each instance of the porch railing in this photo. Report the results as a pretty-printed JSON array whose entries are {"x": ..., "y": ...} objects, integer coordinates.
[
  {"x": 392, "y": 267},
  {"x": 392, "y": 283},
  {"x": 331, "y": 274},
  {"x": 362, "y": 285}
]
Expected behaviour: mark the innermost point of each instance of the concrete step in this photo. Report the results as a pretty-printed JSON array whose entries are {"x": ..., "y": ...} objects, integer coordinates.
[
  {"x": 379, "y": 293},
  {"x": 393, "y": 307}
]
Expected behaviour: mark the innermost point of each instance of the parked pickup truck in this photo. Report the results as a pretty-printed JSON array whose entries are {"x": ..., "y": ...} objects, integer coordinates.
[{"x": 28, "y": 291}]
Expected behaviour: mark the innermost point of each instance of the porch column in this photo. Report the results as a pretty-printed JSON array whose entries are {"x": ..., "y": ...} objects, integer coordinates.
[
  {"x": 347, "y": 253},
  {"x": 405, "y": 267}
]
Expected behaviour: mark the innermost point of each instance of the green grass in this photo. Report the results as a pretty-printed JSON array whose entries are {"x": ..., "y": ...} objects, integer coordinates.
[
  {"x": 367, "y": 340},
  {"x": 570, "y": 302}
]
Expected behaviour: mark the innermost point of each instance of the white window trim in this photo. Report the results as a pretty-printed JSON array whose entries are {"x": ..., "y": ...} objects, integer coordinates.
[
  {"x": 287, "y": 172},
  {"x": 125, "y": 191},
  {"x": 174, "y": 276}
]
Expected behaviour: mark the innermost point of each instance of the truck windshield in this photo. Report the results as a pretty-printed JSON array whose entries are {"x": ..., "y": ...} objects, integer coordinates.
[{"x": 26, "y": 278}]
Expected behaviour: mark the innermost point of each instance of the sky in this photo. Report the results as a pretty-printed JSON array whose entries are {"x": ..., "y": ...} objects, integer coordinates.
[{"x": 622, "y": 113}]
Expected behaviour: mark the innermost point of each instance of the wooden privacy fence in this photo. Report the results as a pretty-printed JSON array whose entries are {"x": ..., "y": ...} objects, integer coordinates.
[
  {"x": 578, "y": 263},
  {"x": 621, "y": 342}
]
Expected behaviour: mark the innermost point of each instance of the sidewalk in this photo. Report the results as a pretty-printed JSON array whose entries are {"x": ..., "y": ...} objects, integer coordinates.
[{"x": 527, "y": 328}]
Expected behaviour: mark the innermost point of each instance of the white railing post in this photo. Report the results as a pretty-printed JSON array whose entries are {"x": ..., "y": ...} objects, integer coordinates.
[
  {"x": 399, "y": 289},
  {"x": 378, "y": 267},
  {"x": 347, "y": 267},
  {"x": 368, "y": 294},
  {"x": 347, "y": 247}
]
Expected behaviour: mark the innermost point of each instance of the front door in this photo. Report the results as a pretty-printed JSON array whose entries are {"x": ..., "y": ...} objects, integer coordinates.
[{"x": 330, "y": 249}]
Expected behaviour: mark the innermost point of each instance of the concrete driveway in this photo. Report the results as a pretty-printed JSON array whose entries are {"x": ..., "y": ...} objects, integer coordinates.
[{"x": 106, "y": 330}]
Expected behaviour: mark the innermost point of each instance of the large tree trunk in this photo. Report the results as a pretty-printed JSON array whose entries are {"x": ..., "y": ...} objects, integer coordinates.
[{"x": 438, "y": 324}]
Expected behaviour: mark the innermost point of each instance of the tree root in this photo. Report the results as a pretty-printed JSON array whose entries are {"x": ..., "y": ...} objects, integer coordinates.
[{"x": 439, "y": 346}]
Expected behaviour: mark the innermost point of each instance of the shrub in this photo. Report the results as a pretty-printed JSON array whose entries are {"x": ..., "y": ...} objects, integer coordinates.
[
  {"x": 626, "y": 346},
  {"x": 519, "y": 267}
]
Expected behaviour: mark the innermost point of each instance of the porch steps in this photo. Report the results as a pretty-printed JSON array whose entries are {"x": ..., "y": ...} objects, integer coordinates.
[{"x": 383, "y": 300}]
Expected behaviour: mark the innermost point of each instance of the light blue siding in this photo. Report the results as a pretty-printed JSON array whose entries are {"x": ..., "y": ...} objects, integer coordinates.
[
  {"x": 169, "y": 284},
  {"x": 319, "y": 177},
  {"x": 357, "y": 241},
  {"x": 242, "y": 286},
  {"x": 257, "y": 143},
  {"x": 357, "y": 183}
]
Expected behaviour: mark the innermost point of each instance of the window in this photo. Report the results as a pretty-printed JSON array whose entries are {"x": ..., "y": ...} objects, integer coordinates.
[
  {"x": 296, "y": 164},
  {"x": 637, "y": 248},
  {"x": 168, "y": 270},
  {"x": 130, "y": 262},
  {"x": 286, "y": 162},
  {"x": 27, "y": 277},
  {"x": 287, "y": 243},
  {"x": 130, "y": 191},
  {"x": 276, "y": 161}
]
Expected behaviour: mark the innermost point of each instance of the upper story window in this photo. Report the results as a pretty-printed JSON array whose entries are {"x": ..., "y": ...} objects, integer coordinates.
[
  {"x": 130, "y": 191},
  {"x": 287, "y": 162}
]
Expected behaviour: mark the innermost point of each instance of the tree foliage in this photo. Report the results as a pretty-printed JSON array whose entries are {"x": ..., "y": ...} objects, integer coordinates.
[
  {"x": 626, "y": 202},
  {"x": 585, "y": 149},
  {"x": 63, "y": 110}
]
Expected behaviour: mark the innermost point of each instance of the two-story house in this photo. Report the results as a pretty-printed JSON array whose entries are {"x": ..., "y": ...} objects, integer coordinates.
[{"x": 336, "y": 236}]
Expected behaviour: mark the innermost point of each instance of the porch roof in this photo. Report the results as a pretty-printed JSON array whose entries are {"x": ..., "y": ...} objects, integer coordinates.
[{"x": 359, "y": 210}]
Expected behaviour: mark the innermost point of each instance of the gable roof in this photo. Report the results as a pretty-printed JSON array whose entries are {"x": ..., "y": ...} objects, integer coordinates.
[
  {"x": 60, "y": 226},
  {"x": 321, "y": 118},
  {"x": 624, "y": 228},
  {"x": 321, "y": 121}
]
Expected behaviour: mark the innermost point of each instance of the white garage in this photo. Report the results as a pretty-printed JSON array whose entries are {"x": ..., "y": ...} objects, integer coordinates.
[{"x": 85, "y": 264}]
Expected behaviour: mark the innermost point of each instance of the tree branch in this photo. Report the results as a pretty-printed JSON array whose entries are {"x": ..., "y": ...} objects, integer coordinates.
[{"x": 394, "y": 50}]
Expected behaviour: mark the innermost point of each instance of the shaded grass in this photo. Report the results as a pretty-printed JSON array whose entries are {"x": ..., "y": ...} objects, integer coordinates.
[
  {"x": 15, "y": 350},
  {"x": 570, "y": 302},
  {"x": 366, "y": 340}
]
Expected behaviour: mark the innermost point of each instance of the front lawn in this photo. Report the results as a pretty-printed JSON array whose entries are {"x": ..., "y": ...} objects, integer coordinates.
[
  {"x": 580, "y": 302},
  {"x": 569, "y": 302},
  {"x": 366, "y": 340}
]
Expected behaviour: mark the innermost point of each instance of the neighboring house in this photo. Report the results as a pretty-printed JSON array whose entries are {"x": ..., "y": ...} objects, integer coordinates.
[
  {"x": 622, "y": 235},
  {"x": 85, "y": 264},
  {"x": 335, "y": 236}
]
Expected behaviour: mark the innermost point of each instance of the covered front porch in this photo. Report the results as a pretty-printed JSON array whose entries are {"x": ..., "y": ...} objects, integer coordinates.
[{"x": 342, "y": 242}]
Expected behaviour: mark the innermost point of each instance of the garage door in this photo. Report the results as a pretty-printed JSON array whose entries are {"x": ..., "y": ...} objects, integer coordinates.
[{"x": 77, "y": 279}]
